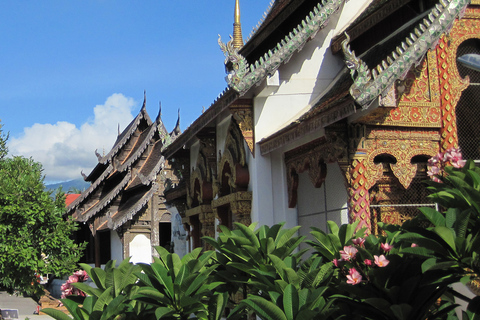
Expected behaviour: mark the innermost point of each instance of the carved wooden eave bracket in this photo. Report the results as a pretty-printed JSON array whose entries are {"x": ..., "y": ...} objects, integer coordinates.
[
  {"x": 369, "y": 84},
  {"x": 242, "y": 111},
  {"x": 244, "y": 76},
  {"x": 313, "y": 157}
]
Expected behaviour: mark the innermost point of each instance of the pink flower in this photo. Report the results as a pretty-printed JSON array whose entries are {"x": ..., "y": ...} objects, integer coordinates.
[
  {"x": 381, "y": 261},
  {"x": 348, "y": 253},
  {"x": 367, "y": 262},
  {"x": 455, "y": 157},
  {"x": 335, "y": 262},
  {"x": 433, "y": 171},
  {"x": 354, "y": 277},
  {"x": 73, "y": 278},
  {"x": 82, "y": 275},
  {"x": 65, "y": 286},
  {"x": 414, "y": 245},
  {"x": 386, "y": 247},
  {"x": 358, "y": 241},
  {"x": 437, "y": 159}
]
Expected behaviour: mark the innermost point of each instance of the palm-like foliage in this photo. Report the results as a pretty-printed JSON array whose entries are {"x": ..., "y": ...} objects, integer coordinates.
[
  {"x": 111, "y": 299},
  {"x": 252, "y": 260},
  {"x": 177, "y": 288}
]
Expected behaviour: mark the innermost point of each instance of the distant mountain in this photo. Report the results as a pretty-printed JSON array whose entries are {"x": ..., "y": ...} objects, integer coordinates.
[{"x": 79, "y": 184}]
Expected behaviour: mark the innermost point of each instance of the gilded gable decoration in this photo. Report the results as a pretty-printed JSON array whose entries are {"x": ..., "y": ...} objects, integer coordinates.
[
  {"x": 313, "y": 157},
  {"x": 371, "y": 83}
]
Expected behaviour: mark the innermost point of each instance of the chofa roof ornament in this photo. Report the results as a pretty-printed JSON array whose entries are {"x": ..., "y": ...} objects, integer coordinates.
[
  {"x": 369, "y": 84},
  {"x": 242, "y": 75}
]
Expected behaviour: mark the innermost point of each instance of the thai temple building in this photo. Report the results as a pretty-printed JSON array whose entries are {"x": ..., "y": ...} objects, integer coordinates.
[
  {"x": 331, "y": 110},
  {"x": 122, "y": 213}
]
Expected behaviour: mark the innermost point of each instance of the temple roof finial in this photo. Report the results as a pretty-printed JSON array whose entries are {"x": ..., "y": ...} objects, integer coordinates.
[
  {"x": 237, "y": 27},
  {"x": 144, "y": 99},
  {"x": 176, "y": 131},
  {"x": 159, "y": 116}
]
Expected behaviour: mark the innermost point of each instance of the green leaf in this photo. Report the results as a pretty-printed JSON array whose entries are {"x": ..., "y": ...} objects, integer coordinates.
[
  {"x": 290, "y": 301},
  {"x": 216, "y": 306},
  {"x": 104, "y": 299},
  {"x": 447, "y": 235},
  {"x": 56, "y": 314},
  {"x": 435, "y": 217},
  {"x": 265, "y": 309},
  {"x": 249, "y": 234}
]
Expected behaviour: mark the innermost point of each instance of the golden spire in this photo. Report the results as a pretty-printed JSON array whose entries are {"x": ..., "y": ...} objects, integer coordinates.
[{"x": 237, "y": 28}]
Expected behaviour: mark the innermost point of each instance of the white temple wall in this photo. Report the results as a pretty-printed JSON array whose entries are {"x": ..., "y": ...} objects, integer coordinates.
[
  {"x": 262, "y": 192},
  {"x": 221, "y": 134},
  {"x": 140, "y": 249},
  {"x": 194, "y": 149},
  {"x": 116, "y": 247},
  {"x": 316, "y": 206},
  {"x": 179, "y": 235}
]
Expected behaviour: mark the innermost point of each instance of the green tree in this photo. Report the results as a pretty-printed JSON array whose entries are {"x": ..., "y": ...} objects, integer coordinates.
[
  {"x": 3, "y": 143},
  {"x": 35, "y": 238}
]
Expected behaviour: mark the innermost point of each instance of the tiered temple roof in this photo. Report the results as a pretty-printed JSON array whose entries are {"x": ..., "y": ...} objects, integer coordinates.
[{"x": 125, "y": 179}]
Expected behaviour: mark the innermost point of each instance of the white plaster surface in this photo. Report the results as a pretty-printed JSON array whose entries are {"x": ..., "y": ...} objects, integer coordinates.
[
  {"x": 316, "y": 206},
  {"x": 140, "y": 249},
  {"x": 116, "y": 247}
]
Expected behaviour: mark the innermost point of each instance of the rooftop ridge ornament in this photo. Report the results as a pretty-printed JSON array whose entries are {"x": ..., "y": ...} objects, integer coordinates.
[
  {"x": 369, "y": 84},
  {"x": 242, "y": 76},
  {"x": 144, "y": 106},
  {"x": 237, "y": 27},
  {"x": 261, "y": 21}
]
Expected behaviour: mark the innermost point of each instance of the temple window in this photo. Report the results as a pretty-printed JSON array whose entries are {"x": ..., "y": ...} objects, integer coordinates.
[{"x": 467, "y": 110}]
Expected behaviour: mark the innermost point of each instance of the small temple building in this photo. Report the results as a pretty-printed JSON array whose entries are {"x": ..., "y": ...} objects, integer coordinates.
[{"x": 122, "y": 213}]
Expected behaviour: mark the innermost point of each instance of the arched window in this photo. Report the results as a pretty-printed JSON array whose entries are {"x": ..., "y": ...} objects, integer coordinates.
[{"x": 468, "y": 107}]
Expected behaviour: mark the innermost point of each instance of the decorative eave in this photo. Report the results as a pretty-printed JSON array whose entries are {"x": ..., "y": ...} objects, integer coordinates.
[
  {"x": 369, "y": 84},
  {"x": 146, "y": 178},
  {"x": 306, "y": 125},
  {"x": 139, "y": 151},
  {"x": 115, "y": 223},
  {"x": 90, "y": 212},
  {"x": 367, "y": 22},
  {"x": 244, "y": 76},
  {"x": 261, "y": 21},
  {"x": 129, "y": 131},
  {"x": 90, "y": 189},
  {"x": 224, "y": 100}
]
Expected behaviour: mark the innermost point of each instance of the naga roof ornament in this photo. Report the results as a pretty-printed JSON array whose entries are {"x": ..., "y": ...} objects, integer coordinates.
[
  {"x": 369, "y": 84},
  {"x": 243, "y": 75}
]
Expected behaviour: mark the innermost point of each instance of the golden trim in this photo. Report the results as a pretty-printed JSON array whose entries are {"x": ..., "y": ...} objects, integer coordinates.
[{"x": 475, "y": 2}]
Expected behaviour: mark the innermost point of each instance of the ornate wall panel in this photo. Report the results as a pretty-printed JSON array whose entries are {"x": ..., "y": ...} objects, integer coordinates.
[
  {"x": 313, "y": 157},
  {"x": 451, "y": 84},
  {"x": 232, "y": 201},
  {"x": 364, "y": 171},
  {"x": 417, "y": 99}
]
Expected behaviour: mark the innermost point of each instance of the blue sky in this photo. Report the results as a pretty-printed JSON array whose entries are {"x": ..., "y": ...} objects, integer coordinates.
[{"x": 72, "y": 70}]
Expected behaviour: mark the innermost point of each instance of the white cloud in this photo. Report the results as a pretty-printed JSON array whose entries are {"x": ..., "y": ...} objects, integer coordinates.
[{"x": 64, "y": 150}]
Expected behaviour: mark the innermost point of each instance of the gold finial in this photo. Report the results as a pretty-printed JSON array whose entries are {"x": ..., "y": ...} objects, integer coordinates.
[{"x": 237, "y": 27}]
